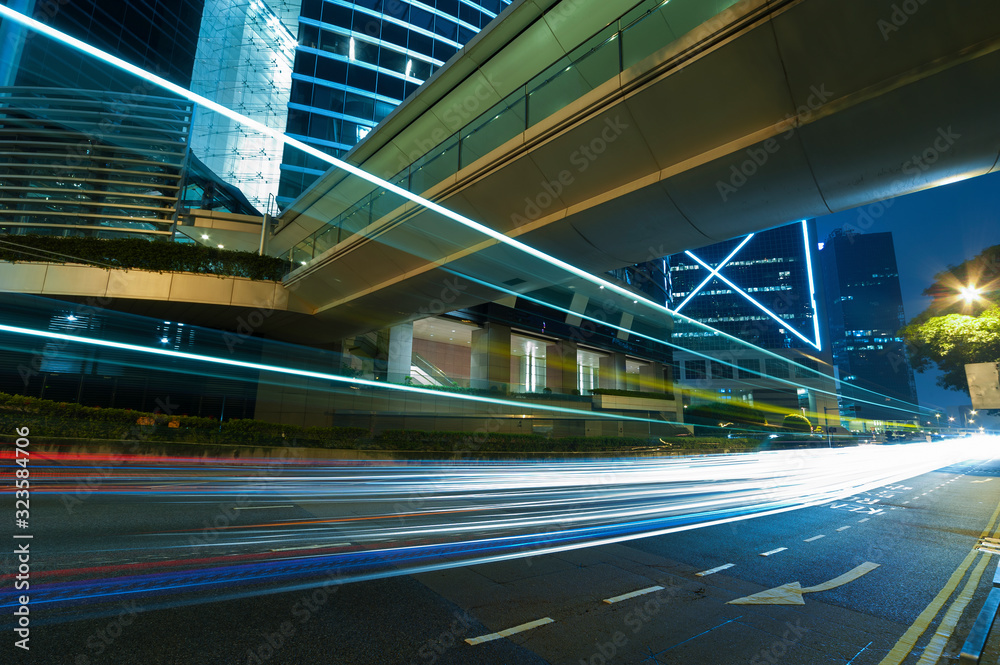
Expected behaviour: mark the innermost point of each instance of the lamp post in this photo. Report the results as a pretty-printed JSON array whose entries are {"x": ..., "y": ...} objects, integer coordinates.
[{"x": 829, "y": 438}]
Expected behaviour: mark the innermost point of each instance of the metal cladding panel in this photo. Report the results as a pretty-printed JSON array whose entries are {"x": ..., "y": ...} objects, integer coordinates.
[{"x": 984, "y": 385}]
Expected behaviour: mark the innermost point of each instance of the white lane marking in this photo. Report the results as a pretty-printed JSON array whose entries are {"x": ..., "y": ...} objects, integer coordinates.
[
  {"x": 261, "y": 507},
  {"x": 843, "y": 528},
  {"x": 864, "y": 520},
  {"x": 510, "y": 631},
  {"x": 780, "y": 549},
  {"x": 710, "y": 571},
  {"x": 809, "y": 540},
  {"x": 310, "y": 547},
  {"x": 626, "y": 596}
]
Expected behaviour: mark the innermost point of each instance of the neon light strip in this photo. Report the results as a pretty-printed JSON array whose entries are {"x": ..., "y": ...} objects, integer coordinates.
[
  {"x": 757, "y": 304},
  {"x": 812, "y": 285},
  {"x": 719, "y": 267},
  {"x": 37, "y": 26},
  {"x": 313, "y": 375},
  {"x": 353, "y": 170},
  {"x": 759, "y": 373}
]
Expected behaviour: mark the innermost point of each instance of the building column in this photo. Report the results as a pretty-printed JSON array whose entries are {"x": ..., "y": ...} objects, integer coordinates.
[
  {"x": 490, "y": 367},
  {"x": 400, "y": 352},
  {"x": 560, "y": 367},
  {"x": 651, "y": 378},
  {"x": 612, "y": 372}
]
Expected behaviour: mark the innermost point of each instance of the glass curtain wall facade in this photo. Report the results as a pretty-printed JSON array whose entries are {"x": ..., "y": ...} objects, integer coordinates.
[
  {"x": 763, "y": 289},
  {"x": 866, "y": 314},
  {"x": 244, "y": 62},
  {"x": 356, "y": 61}
]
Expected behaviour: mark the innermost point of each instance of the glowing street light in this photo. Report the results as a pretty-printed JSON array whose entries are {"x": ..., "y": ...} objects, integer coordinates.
[{"x": 970, "y": 293}]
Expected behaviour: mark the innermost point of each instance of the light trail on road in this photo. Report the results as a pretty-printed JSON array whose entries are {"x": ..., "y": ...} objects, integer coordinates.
[{"x": 182, "y": 531}]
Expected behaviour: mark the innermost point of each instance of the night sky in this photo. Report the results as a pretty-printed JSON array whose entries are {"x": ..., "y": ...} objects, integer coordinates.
[{"x": 931, "y": 230}]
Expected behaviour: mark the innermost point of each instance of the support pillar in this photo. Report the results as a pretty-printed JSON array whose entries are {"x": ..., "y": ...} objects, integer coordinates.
[
  {"x": 560, "y": 367},
  {"x": 651, "y": 378},
  {"x": 400, "y": 352},
  {"x": 490, "y": 367},
  {"x": 612, "y": 372}
]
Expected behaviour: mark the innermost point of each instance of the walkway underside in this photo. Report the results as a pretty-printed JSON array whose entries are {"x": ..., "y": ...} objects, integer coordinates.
[{"x": 770, "y": 113}]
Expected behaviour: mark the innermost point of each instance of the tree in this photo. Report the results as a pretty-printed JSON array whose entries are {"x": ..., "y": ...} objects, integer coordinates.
[
  {"x": 955, "y": 329},
  {"x": 950, "y": 342}
]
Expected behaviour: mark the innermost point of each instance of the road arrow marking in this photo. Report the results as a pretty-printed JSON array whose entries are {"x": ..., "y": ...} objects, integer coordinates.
[{"x": 791, "y": 593}]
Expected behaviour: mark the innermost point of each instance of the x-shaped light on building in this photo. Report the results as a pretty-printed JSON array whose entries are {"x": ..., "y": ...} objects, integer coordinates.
[{"x": 714, "y": 272}]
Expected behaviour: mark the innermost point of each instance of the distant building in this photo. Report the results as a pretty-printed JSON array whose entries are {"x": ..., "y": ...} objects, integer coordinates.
[
  {"x": 761, "y": 289},
  {"x": 356, "y": 62},
  {"x": 103, "y": 153},
  {"x": 866, "y": 314}
]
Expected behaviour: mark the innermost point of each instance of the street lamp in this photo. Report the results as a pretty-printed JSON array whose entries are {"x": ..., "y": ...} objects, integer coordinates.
[{"x": 970, "y": 293}]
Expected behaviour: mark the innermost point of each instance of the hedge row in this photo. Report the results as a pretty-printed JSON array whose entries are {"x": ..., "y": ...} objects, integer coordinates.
[
  {"x": 66, "y": 420},
  {"x": 156, "y": 255}
]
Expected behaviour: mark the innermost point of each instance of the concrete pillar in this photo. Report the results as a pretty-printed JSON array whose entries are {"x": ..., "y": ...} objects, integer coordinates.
[
  {"x": 651, "y": 378},
  {"x": 560, "y": 367},
  {"x": 612, "y": 372},
  {"x": 490, "y": 367},
  {"x": 400, "y": 352}
]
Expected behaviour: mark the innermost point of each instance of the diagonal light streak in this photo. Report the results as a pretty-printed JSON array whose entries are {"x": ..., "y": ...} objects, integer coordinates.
[
  {"x": 719, "y": 267},
  {"x": 746, "y": 295}
]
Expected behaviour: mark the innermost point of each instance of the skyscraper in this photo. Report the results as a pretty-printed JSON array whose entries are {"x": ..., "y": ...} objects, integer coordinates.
[
  {"x": 356, "y": 61},
  {"x": 866, "y": 313},
  {"x": 760, "y": 289}
]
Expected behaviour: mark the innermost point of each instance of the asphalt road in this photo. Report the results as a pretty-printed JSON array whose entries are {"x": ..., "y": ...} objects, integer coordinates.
[{"x": 922, "y": 533}]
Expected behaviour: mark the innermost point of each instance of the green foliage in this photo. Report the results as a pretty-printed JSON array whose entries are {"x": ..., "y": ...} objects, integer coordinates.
[
  {"x": 720, "y": 413},
  {"x": 73, "y": 421},
  {"x": 951, "y": 341},
  {"x": 135, "y": 253},
  {"x": 796, "y": 422},
  {"x": 631, "y": 393}
]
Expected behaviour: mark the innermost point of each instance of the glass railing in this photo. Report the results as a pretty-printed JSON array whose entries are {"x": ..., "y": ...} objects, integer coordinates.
[{"x": 642, "y": 31}]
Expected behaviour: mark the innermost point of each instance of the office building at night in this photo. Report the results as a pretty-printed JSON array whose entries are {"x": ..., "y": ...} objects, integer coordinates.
[
  {"x": 356, "y": 62},
  {"x": 761, "y": 289},
  {"x": 866, "y": 314}
]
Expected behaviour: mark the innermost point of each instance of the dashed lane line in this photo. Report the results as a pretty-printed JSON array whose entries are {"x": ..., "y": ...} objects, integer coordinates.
[
  {"x": 809, "y": 540},
  {"x": 844, "y": 528},
  {"x": 626, "y": 596},
  {"x": 774, "y": 551},
  {"x": 712, "y": 571},
  {"x": 509, "y": 631}
]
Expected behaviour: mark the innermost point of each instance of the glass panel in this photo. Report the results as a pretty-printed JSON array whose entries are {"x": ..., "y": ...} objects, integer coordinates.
[
  {"x": 686, "y": 15},
  {"x": 327, "y": 238},
  {"x": 504, "y": 121},
  {"x": 435, "y": 167},
  {"x": 563, "y": 83},
  {"x": 645, "y": 37}
]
